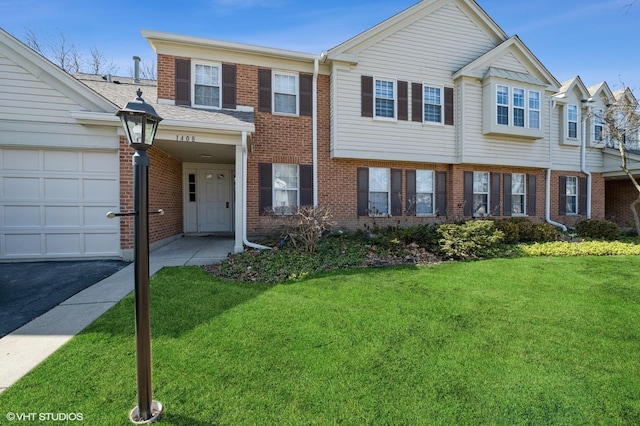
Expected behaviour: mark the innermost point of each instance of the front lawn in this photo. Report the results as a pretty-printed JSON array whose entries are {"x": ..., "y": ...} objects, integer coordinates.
[{"x": 503, "y": 341}]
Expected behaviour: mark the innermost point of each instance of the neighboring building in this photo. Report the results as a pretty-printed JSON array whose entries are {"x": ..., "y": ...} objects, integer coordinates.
[{"x": 433, "y": 115}]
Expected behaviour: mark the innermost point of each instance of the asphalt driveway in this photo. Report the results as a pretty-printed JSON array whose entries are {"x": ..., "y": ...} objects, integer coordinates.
[{"x": 28, "y": 290}]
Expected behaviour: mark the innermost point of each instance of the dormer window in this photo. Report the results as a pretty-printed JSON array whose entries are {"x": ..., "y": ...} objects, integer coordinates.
[{"x": 572, "y": 121}]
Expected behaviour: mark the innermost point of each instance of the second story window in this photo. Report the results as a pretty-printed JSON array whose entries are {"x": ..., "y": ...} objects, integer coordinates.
[
  {"x": 285, "y": 93},
  {"x": 502, "y": 100},
  {"x": 534, "y": 109},
  {"x": 432, "y": 104},
  {"x": 206, "y": 91},
  {"x": 598, "y": 122},
  {"x": 572, "y": 121},
  {"x": 385, "y": 98},
  {"x": 518, "y": 107}
]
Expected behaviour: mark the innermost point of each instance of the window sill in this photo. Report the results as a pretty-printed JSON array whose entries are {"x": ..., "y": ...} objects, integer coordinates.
[{"x": 284, "y": 114}]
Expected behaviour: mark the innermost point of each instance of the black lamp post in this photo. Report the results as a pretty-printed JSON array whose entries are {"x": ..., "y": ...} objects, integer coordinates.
[{"x": 140, "y": 122}]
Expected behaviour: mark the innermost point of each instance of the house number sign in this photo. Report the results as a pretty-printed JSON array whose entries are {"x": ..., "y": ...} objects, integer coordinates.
[{"x": 183, "y": 138}]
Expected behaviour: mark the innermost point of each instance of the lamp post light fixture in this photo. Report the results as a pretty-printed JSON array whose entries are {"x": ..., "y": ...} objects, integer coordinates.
[{"x": 140, "y": 122}]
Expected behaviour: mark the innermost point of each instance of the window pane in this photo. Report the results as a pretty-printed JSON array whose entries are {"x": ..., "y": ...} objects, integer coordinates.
[
  {"x": 432, "y": 95},
  {"x": 572, "y": 113},
  {"x": 534, "y": 100},
  {"x": 572, "y": 186},
  {"x": 517, "y": 183},
  {"x": 284, "y": 103},
  {"x": 378, "y": 179},
  {"x": 502, "y": 95},
  {"x": 518, "y": 117},
  {"x": 286, "y": 175},
  {"x": 424, "y": 181},
  {"x": 534, "y": 119},
  {"x": 573, "y": 130},
  {"x": 384, "y": 108},
  {"x": 285, "y": 84},
  {"x": 207, "y": 95},
  {"x": 480, "y": 206},
  {"x": 572, "y": 203},
  {"x": 517, "y": 204},
  {"x": 384, "y": 89},
  {"x": 503, "y": 115},
  {"x": 480, "y": 182},
  {"x": 385, "y": 98},
  {"x": 518, "y": 98},
  {"x": 207, "y": 75},
  {"x": 432, "y": 113},
  {"x": 378, "y": 203},
  {"x": 424, "y": 203}
]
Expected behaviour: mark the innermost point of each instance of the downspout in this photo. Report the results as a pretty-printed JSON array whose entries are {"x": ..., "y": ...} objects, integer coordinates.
[
  {"x": 583, "y": 161},
  {"x": 315, "y": 132},
  {"x": 244, "y": 196},
  {"x": 547, "y": 198}
]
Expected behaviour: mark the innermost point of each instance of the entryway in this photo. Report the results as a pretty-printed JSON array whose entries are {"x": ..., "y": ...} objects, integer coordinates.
[{"x": 209, "y": 206}]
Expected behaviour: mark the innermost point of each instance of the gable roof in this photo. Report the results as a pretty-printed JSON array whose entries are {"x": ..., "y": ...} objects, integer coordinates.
[
  {"x": 602, "y": 90},
  {"x": 51, "y": 74},
  {"x": 573, "y": 84},
  {"x": 515, "y": 46},
  {"x": 346, "y": 51}
]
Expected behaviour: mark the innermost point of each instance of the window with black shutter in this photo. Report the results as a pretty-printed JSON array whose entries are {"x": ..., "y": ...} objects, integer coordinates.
[
  {"x": 366, "y": 93},
  {"x": 228, "y": 86},
  {"x": 264, "y": 90},
  {"x": 306, "y": 94},
  {"x": 183, "y": 82}
]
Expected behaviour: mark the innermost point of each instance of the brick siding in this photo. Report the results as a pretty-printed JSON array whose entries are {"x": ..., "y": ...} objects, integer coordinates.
[{"x": 619, "y": 194}]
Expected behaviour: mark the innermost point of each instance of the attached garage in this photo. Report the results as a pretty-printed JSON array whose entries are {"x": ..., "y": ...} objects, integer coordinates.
[{"x": 53, "y": 203}]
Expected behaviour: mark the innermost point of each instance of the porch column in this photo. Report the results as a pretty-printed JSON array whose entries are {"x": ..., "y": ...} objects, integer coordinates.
[{"x": 239, "y": 224}]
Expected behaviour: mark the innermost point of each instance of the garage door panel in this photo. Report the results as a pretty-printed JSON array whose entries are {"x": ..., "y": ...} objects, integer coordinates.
[
  {"x": 61, "y": 189},
  {"x": 98, "y": 162},
  {"x": 67, "y": 244},
  {"x": 22, "y": 216},
  {"x": 21, "y": 188},
  {"x": 99, "y": 189},
  {"x": 62, "y": 216},
  {"x": 97, "y": 216},
  {"x": 61, "y": 161},
  {"x": 100, "y": 244},
  {"x": 21, "y": 159},
  {"x": 23, "y": 244}
]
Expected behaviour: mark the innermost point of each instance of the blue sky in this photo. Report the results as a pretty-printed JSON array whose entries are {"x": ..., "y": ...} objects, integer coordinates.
[{"x": 596, "y": 39}]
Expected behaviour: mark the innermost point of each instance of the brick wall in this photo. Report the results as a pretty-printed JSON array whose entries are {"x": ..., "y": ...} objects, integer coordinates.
[
  {"x": 619, "y": 194},
  {"x": 165, "y": 192}
]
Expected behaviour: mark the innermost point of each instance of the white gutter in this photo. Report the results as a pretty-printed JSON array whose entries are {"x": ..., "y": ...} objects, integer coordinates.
[
  {"x": 583, "y": 162},
  {"x": 547, "y": 192},
  {"x": 315, "y": 132},
  {"x": 244, "y": 196}
]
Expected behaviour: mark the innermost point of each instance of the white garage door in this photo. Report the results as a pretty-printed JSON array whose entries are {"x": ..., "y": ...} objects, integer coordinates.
[{"x": 53, "y": 204}]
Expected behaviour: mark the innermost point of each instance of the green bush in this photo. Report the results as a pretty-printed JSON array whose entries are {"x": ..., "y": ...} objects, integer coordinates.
[
  {"x": 523, "y": 230},
  {"x": 598, "y": 229},
  {"x": 474, "y": 239}
]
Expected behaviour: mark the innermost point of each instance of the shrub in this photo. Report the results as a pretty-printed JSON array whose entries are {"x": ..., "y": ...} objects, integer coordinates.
[
  {"x": 585, "y": 248},
  {"x": 305, "y": 225},
  {"x": 598, "y": 229},
  {"x": 473, "y": 239},
  {"x": 523, "y": 230}
]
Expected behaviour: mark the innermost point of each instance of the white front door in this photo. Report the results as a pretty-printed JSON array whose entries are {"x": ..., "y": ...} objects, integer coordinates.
[{"x": 215, "y": 205}]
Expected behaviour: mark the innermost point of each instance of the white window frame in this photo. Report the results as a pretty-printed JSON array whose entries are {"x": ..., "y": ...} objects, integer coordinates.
[
  {"x": 533, "y": 109},
  {"x": 372, "y": 210},
  {"x": 394, "y": 99},
  {"x": 506, "y": 105},
  {"x": 572, "y": 195},
  {"x": 194, "y": 83},
  {"x": 296, "y": 92},
  {"x": 521, "y": 195},
  {"x": 477, "y": 209},
  {"x": 598, "y": 121},
  {"x": 570, "y": 120},
  {"x": 425, "y": 190},
  {"x": 284, "y": 209},
  {"x": 439, "y": 105},
  {"x": 522, "y": 107}
]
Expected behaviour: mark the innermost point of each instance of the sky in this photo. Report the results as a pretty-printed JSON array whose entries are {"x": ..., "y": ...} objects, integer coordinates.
[{"x": 595, "y": 39}]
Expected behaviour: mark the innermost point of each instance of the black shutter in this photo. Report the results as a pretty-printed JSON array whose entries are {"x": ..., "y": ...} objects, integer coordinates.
[
  {"x": 448, "y": 106},
  {"x": 411, "y": 193},
  {"x": 363, "y": 191},
  {"x": 265, "y": 182},
  {"x": 416, "y": 102},
  {"x": 366, "y": 88},
  {"x": 403, "y": 100},
  {"x": 582, "y": 196},
  {"x": 264, "y": 90},
  {"x": 506, "y": 194},
  {"x": 495, "y": 194},
  {"x": 306, "y": 185},
  {"x": 468, "y": 194},
  {"x": 228, "y": 86},
  {"x": 396, "y": 192},
  {"x": 306, "y": 94},
  {"x": 562, "y": 195},
  {"x": 183, "y": 82},
  {"x": 531, "y": 195},
  {"x": 441, "y": 193}
]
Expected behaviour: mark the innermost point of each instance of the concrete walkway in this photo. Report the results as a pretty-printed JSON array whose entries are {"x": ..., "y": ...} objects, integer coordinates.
[{"x": 29, "y": 345}]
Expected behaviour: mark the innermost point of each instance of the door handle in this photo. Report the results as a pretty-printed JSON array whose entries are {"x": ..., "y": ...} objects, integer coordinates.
[{"x": 227, "y": 204}]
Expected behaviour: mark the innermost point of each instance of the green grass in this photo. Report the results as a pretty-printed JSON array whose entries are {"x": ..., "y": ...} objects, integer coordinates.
[{"x": 504, "y": 341}]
